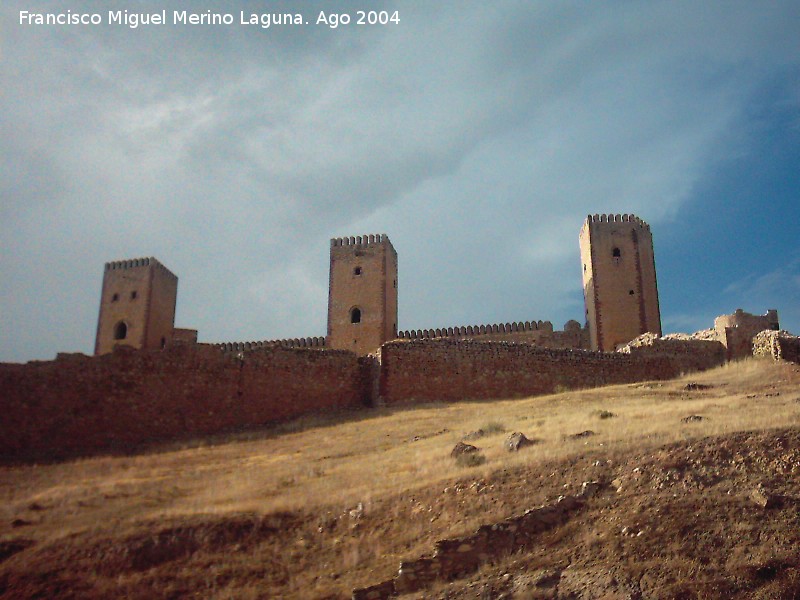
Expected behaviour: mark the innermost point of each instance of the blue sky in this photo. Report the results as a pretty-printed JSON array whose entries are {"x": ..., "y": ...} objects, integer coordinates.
[{"x": 477, "y": 135}]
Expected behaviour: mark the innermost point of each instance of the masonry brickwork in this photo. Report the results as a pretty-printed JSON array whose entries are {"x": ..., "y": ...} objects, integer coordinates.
[
  {"x": 77, "y": 405},
  {"x": 619, "y": 280}
]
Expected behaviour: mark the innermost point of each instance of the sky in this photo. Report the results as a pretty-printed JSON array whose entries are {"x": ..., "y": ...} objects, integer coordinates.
[{"x": 477, "y": 135}]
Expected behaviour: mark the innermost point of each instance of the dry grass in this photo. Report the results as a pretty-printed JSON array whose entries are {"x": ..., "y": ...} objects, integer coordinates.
[{"x": 381, "y": 460}]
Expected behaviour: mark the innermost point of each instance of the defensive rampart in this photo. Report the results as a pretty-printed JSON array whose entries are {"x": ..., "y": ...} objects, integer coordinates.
[
  {"x": 79, "y": 405},
  {"x": 450, "y": 370}
]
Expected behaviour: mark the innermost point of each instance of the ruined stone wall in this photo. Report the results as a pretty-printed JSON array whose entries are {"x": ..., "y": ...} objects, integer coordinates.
[
  {"x": 778, "y": 345},
  {"x": 78, "y": 405},
  {"x": 736, "y": 331},
  {"x": 686, "y": 355},
  {"x": 451, "y": 370}
]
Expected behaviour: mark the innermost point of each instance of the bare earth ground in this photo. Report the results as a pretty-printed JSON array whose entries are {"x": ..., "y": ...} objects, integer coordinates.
[{"x": 318, "y": 507}]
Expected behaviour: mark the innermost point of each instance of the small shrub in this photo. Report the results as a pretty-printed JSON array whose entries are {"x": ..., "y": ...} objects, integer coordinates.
[
  {"x": 493, "y": 427},
  {"x": 605, "y": 414},
  {"x": 473, "y": 459}
]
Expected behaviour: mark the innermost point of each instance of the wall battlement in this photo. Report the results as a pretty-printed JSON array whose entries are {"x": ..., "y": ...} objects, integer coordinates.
[
  {"x": 360, "y": 240},
  {"x": 471, "y": 330},
  {"x": 307, "y": 342}
]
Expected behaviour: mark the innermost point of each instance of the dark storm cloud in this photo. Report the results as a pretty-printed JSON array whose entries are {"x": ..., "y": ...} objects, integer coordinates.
[{"x": 477, "y": 135}]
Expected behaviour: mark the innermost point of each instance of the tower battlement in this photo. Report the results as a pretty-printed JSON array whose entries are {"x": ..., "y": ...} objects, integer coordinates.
[
  {"x": 134, "y": 263},
  {"x": 616, "y": 218},
  {"x": 360, "y": 240}
]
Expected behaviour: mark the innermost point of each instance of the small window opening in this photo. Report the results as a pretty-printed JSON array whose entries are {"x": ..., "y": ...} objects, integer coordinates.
[
  {"x": 616, "y": 253},
  {"x": 355, "y": 315},
  {"x": 115, "y": 297},
  {"x": 357, "y": 271},
  {"x": 163, "y": 343},
  {"x": 134, "y": 293},
  {"x": 630, "y": 292},
  {"x": 120, "y": 331},
  {"x": 394, "y": 283},
  {"x": 584, "y": 268}
]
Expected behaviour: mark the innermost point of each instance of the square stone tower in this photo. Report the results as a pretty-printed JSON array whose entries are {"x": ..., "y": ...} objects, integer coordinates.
[
  {"x": 619, "y": 280},
  {"x": 137, "y": 305},
  {"x": 362, "y": 293}
]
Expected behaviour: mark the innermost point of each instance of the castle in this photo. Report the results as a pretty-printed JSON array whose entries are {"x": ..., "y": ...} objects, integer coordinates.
[
  {"x": 137, "y": 305},
  {"x": 150, "y": 381}
]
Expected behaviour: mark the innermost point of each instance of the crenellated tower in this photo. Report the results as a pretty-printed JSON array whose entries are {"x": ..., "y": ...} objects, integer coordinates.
[
  {"x": 362, "y": 293},
  {"x": 619, "y": 280},
  {"x": 137, "y": 305}
]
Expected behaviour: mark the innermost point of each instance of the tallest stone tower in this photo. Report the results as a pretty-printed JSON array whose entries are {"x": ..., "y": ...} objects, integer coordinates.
[{"x": 619, "y": 280}]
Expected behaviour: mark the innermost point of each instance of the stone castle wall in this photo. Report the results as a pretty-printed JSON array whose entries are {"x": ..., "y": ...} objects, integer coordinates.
[
  {"x": 540, "y": 333},
  {"x": 686, "y": 355},
  {"x": 79, "y": 405},
  {"x": 450, "y": 370}
]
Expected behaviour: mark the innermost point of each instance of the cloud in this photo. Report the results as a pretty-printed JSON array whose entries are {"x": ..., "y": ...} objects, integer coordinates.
[
  {"x": 477, "y": 138},
  {"x": 779, "y": 288}
]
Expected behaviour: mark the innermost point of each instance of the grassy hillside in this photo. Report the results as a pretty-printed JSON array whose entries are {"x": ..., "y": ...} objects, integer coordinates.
[{"x": 319, "y": 506}]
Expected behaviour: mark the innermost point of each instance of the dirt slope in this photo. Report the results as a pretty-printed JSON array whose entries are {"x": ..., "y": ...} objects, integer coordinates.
[{"x": 675, "y": 519}]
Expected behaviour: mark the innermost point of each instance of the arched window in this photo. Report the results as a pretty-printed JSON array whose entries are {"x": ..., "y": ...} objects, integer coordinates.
[
  {"x": 120, "y": 331},
  {"x": 355, "y": 315}
]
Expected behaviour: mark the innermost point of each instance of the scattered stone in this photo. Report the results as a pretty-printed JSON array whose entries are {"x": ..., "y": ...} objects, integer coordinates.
[
  {"x": 516, "y": 441},
  {"x": 20, "y": 523},
  {"x": 605, "y": 414},
  {"x": 474, "y": 435},
  {"x": 764, "y": 498},
  {"x": 461, "y": 448},
  {"x": 589, "y": 489},
  {"x": 692, "y": 419},
  {"x": 582, "y": 434},
  {"x": 694, "y": 386}
]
